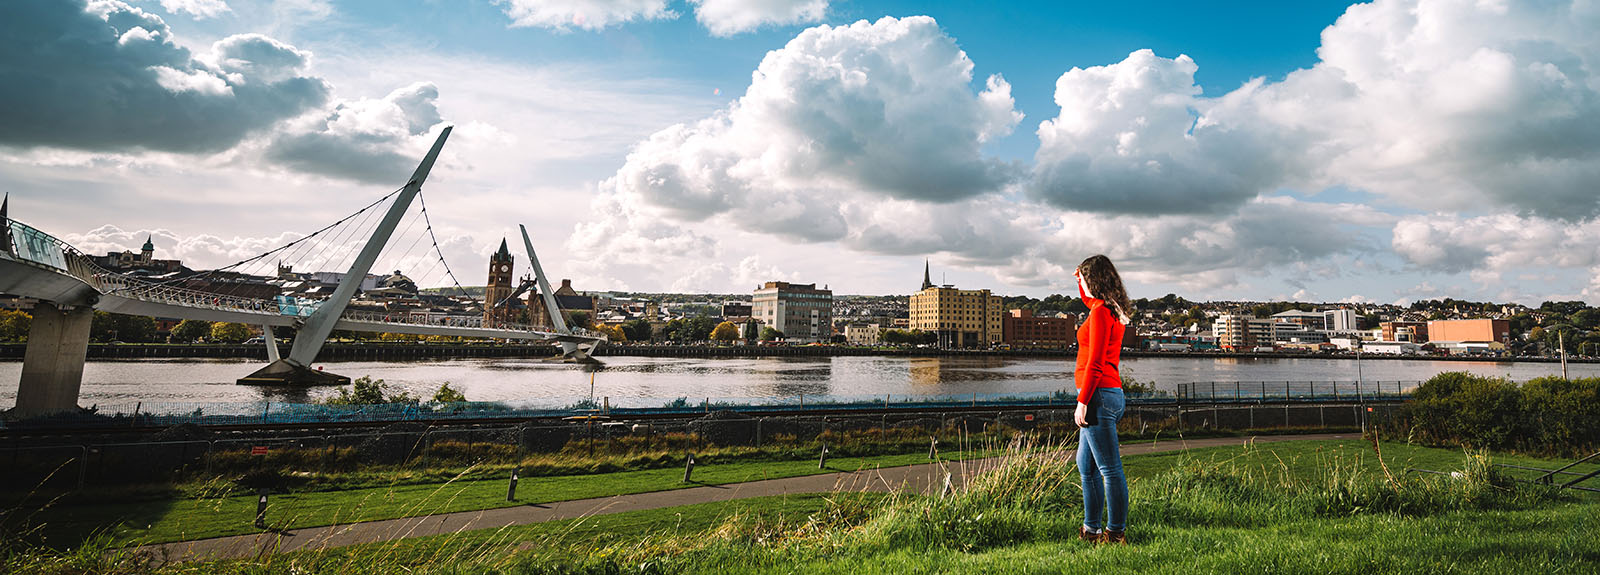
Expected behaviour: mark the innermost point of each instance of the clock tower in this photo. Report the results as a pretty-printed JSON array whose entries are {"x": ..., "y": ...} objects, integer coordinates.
[{"x": 496, "y": 311}]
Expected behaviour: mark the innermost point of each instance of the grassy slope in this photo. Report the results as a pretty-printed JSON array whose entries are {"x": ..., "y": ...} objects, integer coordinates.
[
  {"x": 163, "y": 521},
  {"x": 1553, "y": 538},
  {"x": 154, "y": 522}
]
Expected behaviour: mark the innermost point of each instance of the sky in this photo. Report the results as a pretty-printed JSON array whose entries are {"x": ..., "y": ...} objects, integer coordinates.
[{"x": 1315, "y": 151}]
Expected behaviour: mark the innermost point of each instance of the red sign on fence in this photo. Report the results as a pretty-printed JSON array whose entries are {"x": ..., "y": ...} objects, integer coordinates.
[
  {"x": 258, "y": 450},
  {"x": 1028, "y": 417}
]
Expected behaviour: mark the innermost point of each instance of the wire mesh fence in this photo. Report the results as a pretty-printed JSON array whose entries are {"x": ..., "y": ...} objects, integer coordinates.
[
  {"x": 593, "y": 443},
  {"x": 162, "y": 414}
]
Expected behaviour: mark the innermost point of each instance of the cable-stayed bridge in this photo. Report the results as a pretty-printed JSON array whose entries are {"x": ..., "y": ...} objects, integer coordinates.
[{"x": 70, "y": 286}]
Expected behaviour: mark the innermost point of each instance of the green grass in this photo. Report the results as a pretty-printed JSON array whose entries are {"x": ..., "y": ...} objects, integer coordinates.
[
  {"x": 1296, "y": 507},
  {"x": 146, "y": 522},
  {"x": 1554, "y": 540}
]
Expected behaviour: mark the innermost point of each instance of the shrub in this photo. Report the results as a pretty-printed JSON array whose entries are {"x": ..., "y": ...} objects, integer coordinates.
[
  {"x": 1548, "y": 415},
  {"x": 447, "y": 394},
  {"x": 368, "y": 391}
]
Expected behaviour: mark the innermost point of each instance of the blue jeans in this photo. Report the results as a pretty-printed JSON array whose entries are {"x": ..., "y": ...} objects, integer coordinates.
[{"x": 1100, "y": 463}]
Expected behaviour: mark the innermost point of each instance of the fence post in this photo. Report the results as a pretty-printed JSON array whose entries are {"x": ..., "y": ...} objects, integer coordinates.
[
  {"x": 688, "y": 468},
  {"x": 511, "y": 492},
  {"x": 261, "y": 508},
  {"x": 83, "y": 467},
  {"x": 822, "y": 463},
  {"x": 933, "y": 447}
]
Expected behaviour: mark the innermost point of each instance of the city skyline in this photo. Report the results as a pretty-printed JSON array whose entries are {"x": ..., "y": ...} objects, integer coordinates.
[{"x": 1385, "y": 152}]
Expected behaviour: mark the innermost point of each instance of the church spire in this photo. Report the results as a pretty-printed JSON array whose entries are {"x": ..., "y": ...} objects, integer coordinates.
[{"x": 927, "y": 279}]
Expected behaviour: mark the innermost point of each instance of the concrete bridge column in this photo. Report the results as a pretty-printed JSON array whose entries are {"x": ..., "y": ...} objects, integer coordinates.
[{"x": 52, "y": 366}]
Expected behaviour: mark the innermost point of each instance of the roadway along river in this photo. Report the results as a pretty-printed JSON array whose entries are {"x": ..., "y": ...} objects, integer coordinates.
[{"x": 649, "y": 382}]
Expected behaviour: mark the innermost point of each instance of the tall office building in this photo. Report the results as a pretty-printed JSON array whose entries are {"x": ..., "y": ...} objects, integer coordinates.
[
  {"x": 801, "y": 311},
  {"x": 961, "y": 318},
  {"x": 1342, "y": 319}
]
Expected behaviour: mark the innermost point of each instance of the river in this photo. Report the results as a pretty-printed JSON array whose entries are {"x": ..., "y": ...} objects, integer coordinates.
[{"x": 644, "y": 381}]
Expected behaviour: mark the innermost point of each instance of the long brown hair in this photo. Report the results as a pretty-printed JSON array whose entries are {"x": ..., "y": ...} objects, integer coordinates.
[{"x": 1105, "y": 282}]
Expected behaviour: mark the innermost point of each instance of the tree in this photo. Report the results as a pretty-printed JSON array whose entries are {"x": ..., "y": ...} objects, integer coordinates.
[
  {"x": 614, "y": 333},
  {"x": 769, "y": 334},
  {"x": 670, "y": 331},
  {"x": 189, "y": 331},
  {"x": 125, "y": 328},
  {"x": 725, "y": 331},
  {"x": 698, "y": 328},
  {"x": 637, "y": 330},
  {"x": 1587, "y": 319},
  {"x": 579, "y": 318},
  {"x": 14, "y": 325},
  {"x": 229, "y": 332},
  {"x": 447, "y": 394}
]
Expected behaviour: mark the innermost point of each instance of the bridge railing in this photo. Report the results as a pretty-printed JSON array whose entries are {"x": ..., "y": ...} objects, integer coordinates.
[
  {"x": 470, "y": 322},
  {"x": 113, "y": 283},
  {"x": 30, "y": 244}
]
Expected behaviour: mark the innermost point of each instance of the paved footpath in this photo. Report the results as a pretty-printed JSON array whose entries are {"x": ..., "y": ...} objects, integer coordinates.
[{"x": 926, "y": 478}]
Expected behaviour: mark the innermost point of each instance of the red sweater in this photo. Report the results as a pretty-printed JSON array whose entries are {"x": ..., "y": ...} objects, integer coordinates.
[{"x": 1099, "y": 350}]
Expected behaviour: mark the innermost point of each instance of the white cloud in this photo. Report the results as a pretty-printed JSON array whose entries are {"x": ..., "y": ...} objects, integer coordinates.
[
  {"x": 108, "y": 77},
  {"x": 1130, "y": 139},
  {"x": 1496, "y": 243},
  {"x": 197, "y": 251},
  {"x": 376, "y": 140},
  {"x": 879, "y": 109},
  {"x": 838, "y": 128},
  {"x": 193, "y": 81},
  {"x": 200, "y": 9},
  {"x": 730, "y": 17},
  {"x": 749, "y": 273},
  {"x": 1447, "y": 104},
  {"x": 564, "y": 15},
  {"x": 867, "y": 138}
]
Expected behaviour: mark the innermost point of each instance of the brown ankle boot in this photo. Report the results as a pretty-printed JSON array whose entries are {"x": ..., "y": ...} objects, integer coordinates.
[
  {"x": 1116, "y": 537},
  {"x": 1092, "y": 537}
]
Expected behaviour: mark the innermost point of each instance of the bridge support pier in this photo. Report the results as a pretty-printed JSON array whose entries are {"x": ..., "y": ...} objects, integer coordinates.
[
  {"x": 52, "y": 366},
  {"x": 287, "y": 372}
]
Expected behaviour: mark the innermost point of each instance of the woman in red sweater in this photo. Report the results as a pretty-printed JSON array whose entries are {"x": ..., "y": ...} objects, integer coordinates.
[{"x": 1100, "y": 400}]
